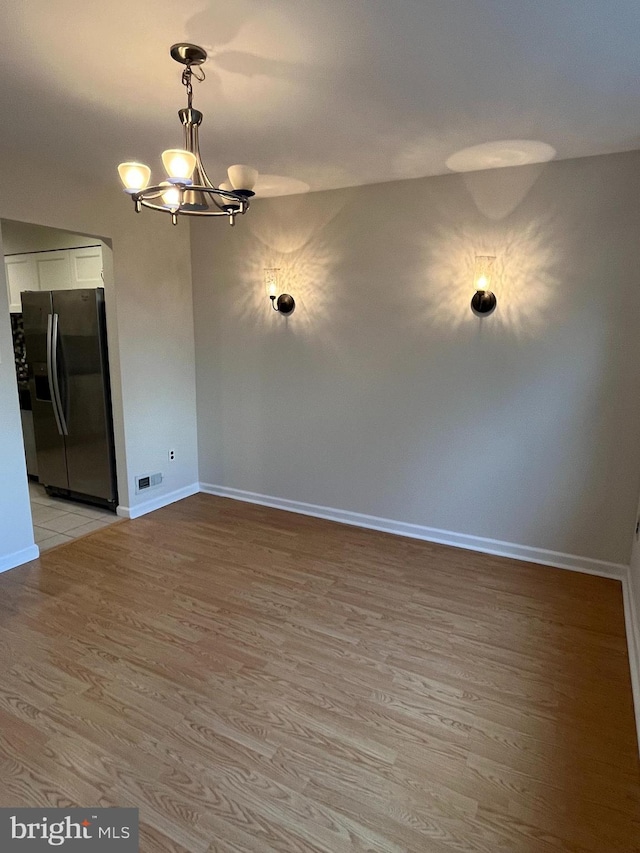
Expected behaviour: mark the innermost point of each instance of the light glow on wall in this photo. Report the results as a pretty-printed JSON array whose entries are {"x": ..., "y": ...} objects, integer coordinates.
[{"x": 523, "y": 277}]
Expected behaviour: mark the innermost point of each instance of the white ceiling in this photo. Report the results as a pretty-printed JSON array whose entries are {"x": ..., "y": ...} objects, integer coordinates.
[{"x": 323, "y": 93}]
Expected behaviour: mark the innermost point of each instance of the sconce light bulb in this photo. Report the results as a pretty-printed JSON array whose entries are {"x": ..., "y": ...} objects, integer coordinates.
[{"x": 481, "y": 284}]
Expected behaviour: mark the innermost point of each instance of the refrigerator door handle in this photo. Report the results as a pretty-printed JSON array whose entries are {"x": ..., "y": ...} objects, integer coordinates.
[
  {"x": 50, "y": 373},
  {"x": 53, "y": 375}
]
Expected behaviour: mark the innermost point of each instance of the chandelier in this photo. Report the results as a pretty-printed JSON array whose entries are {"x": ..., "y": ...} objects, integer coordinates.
[{"x": 188, "y": 189}]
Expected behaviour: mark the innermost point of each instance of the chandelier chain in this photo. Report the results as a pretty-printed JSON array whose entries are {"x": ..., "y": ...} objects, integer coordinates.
[
  {"x": 186, "y": 82},
  {"x": 187, "y": 74}
]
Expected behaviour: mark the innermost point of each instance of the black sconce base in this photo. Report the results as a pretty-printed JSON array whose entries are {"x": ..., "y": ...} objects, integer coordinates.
[
  {"x": 285, "y": 304},
  {"x": 483, "y": 303}
]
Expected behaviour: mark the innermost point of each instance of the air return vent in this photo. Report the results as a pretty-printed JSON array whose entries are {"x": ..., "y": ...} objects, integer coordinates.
[{"x": 147, "y": 481}]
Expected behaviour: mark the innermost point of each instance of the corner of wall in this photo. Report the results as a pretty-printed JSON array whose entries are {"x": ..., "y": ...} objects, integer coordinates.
[{"x": 631, "y": 594}]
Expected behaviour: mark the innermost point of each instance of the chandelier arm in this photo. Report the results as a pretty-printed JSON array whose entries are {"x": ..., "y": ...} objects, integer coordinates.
[
  {"x": 191, "y": 120},
  {"x": 149, "y": 193},
  {"x": 204, "y": 213},
  {"x": 155, "y": 192},
  {"x": 203, "y": 172},
  {"x": 149, "y": 202},
  {"x": 177, "y": 212}
]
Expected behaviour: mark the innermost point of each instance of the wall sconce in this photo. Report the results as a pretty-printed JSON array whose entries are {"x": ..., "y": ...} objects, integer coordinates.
[
  {"x": 484, "y": 301},
  {"x": 281, "y": 302}
]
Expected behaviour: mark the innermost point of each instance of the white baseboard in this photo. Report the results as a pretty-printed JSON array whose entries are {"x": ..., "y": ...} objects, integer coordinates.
[
  {"x": 632, "y": 621},
  {"x": 157, "y": 503},
  {"x": 19, "y": 557},
  {"x": 429, "y": 534}
]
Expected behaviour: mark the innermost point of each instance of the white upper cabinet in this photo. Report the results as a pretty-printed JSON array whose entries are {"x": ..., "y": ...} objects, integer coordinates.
[
  {"x": 61, "y": 269},
  {"x": 21, "y": 274},
  {"x": 54, "y": 270},
  {"x": 86, "y": 266}
]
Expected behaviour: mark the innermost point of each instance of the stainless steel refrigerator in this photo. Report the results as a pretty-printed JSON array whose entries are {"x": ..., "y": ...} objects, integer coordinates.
[{"x": 66, "y": 344}]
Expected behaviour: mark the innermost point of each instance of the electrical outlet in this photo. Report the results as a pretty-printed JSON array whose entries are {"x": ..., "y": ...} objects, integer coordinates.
[{"x": 172, "y": 455}]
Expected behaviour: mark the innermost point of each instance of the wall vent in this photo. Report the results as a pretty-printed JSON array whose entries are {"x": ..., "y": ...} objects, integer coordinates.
[{"x": 147, "y": 481}]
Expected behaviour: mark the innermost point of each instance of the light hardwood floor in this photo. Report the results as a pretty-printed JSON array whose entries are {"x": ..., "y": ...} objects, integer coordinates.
[{"x": 255, "y": 680}]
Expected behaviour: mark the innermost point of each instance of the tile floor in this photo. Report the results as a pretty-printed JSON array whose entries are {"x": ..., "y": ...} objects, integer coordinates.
[{"x": 56, "y": 521}]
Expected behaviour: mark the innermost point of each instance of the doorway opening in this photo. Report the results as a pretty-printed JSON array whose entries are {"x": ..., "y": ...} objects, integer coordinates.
[{"x": 56, "y": 296}]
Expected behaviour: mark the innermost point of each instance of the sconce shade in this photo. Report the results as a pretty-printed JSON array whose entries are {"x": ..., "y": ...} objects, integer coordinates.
[
  {"x": 178, "y": 163},
  {"x": 242, "y": 177},
  {"x": 483, "y": 271},
  {"x": 134, "y": 176},
  {"x": 271, "y": 281}
]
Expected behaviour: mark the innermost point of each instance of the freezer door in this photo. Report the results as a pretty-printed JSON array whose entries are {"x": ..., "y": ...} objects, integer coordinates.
[
  {"x": 86, "y": 404},
  {"x": 50, "y": 447}
]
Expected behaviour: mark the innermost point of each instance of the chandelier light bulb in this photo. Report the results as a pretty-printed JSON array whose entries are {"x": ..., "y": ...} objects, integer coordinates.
[
  {"x": 134, "y": 176},
  {"x": 227, "y": 203},
  {"x": 178, "y": 164},
  {"x": 171, "y": 197},
  {"x": 242, "y": 177}
]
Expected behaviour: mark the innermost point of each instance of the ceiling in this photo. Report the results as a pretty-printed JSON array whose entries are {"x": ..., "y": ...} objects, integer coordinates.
[{"x": 319, "y": 94}]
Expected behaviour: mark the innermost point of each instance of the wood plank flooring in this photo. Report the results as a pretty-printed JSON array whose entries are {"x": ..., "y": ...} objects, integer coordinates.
[{"x": 254, "y": 680}]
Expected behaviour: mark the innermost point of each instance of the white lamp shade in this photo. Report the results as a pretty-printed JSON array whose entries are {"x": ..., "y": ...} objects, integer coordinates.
[
  {"x": 242, "y": 177},
  {"x": 134, "y": 176},
  {"x": 227, "y": 202},
  {"x": 178, "y": 163},
  {"x": 171, "y": 197},
  {"x": 271, "y": 281}
]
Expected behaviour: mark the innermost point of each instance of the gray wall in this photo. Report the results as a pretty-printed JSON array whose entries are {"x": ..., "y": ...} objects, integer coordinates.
[
  {"x": 151, "y": 349},
  {"x": 633, "y": 624},
  {"x": 16, "y": 531},
  {"x": 382, "y": 394}
]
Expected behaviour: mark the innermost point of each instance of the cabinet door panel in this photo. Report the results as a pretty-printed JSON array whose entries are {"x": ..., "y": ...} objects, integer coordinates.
[
  {"x": 53, "y": 270},
  {"x": 86, "y": 267},
  {"x": 21, "y": 275}
]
